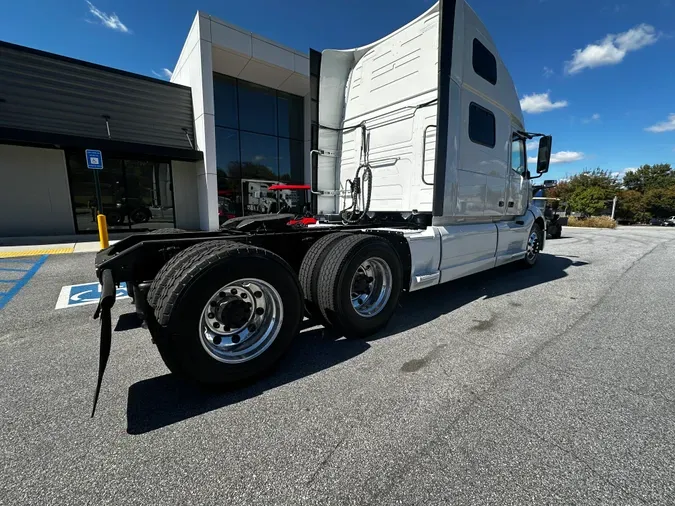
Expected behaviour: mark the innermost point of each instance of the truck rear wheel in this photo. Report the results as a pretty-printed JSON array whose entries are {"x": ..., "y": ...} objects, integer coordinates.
[
  {"x": 229, "y": 315},
  {"x": 359, "y": 284},
  {"x": 310, "y": 269}
]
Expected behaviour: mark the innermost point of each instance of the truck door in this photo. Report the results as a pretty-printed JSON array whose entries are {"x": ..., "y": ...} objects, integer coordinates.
[{"x": 518, "y": 185}]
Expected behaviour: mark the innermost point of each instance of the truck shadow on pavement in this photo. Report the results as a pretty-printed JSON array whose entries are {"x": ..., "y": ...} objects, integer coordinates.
[{"x": 161, "y": 401}]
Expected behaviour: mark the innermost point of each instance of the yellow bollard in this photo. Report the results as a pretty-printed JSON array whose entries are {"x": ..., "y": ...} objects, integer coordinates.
[{"x": 102, "y": 231}]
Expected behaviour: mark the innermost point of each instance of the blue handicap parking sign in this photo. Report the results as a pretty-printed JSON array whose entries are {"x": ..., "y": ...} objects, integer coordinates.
[
  {"x": 87, "y": 293},
  {"x": 94, "y": 159}
]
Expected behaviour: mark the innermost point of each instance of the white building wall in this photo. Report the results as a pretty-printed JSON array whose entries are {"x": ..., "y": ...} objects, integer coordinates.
[
  {"x": 194, "y": 69},
  {"x": 34, "y": 194},
  {"x": 185, "y": 195}
]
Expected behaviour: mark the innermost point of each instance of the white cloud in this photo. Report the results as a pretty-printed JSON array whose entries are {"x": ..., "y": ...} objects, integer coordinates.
[
  {"x": 532, "y": 145},
  {"x": 612, "y": 49},
  {"x": 540, "y": 102},
  {"x": 594, "y": 117},
  {"x": 164, "y": 73},
  {"x": 548, "y": 72},
  {"x": 561, "y": 157},
  {"x": 111, "y": 21},
  {"x": 663, "y": 126}
]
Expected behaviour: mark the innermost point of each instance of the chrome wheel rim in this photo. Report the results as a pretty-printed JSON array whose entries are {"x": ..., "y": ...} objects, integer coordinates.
[
  {"x": 241, "y": 320},
  {"x": 532, "y": 247},
  {"x": 371, "y": 287}
]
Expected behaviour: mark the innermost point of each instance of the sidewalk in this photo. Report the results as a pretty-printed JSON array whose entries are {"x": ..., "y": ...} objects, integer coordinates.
[{"x": 51, "y": 245}]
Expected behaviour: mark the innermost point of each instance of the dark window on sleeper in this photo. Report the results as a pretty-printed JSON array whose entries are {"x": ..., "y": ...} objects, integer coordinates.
[
  {"x": 484, "y": 62},
  {"x": 481, "y": 125}
]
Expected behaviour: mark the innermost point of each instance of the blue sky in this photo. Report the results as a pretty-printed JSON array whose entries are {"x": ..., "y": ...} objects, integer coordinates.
[{"x": 596, "y": 74}]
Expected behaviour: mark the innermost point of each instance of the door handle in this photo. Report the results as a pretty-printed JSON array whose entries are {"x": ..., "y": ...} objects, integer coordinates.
[
  {"x": 501, "y": 203},
  {"x": 511, "y": 204}
]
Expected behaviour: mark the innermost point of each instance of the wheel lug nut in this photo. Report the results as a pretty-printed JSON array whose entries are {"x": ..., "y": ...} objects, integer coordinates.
[
  {"x": 251, "y": 328},
  {"x": 233, "y": 291},
  {"x": 221, "y": 294},
  {"x": 235, "y": 339},
  {"x": 216, "y": 340},
  {"x": 213, "y": 303},
  {"x": 211, "y": 315},
  {"x": 216, "y": 325},
  {"x": 243, "y": 295},
  {"x": 259, "y": 311},
  {"x": 257, "y": 294}
]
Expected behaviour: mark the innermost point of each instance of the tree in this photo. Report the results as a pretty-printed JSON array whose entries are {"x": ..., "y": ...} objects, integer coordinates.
[
  {"x": 596, "y": 178},
  {"x": 588, "y": 201},
  {"x": 650, "y": 177},
  {"x": 660, "y": 202},
  {"x": 631, "y": 206},
  {"x": 560, "y": 191}
]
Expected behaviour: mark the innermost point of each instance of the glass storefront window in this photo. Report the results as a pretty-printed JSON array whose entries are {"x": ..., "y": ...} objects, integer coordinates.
[
  {"x": 135, "y": 194},
  {"x": 257, "y": 109},
  {"x": 290, "y": 116},
  {"x": 259, "y": 158},
  {"x": 259, "y": 142},
  {"x": 83, "y": 193},
  {"x": 225, "y": 98},
  {"x": 291, "y": 160},
  {"x": 229, "y": 198},
  {"x": 227, "y": 152}
]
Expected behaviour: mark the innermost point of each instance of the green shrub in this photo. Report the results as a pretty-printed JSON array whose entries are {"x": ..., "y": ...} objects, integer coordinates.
[{"x": 593, "y": 221}]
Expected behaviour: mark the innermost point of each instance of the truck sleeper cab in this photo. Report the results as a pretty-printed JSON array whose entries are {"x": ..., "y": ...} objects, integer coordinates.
[{"x": 419, "y": 177}]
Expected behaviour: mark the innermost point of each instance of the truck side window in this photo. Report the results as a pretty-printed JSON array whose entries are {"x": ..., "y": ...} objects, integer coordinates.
[
  {"x": 481, "y": 125},
  {"x": 484, "y": 62},
  {"x": 518, "y": 156}
]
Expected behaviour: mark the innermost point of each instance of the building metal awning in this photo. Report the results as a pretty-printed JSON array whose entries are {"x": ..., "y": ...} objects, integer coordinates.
[
  {"x": 62, "y": 141},
  {"x": 52, "y": 100}
]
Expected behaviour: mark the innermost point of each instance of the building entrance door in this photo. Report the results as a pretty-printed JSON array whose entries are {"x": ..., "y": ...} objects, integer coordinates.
[{"x": 135, "y": 194}]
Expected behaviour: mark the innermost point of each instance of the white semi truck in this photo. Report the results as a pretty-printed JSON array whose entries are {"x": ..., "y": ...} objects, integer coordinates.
[{"x": 419, "y": 177}]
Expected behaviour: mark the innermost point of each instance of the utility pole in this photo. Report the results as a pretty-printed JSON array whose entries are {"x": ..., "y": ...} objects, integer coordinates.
[{"x": 614, "y": 206}]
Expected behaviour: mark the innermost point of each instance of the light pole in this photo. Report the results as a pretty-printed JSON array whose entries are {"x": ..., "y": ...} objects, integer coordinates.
[{"x": 613, "y": 206}]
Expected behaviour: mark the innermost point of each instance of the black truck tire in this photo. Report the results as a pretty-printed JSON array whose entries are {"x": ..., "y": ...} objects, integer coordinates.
[
  {"x": 535, "y": 240},
  {"x": 161, "y": 285},
  {"x": 164, "y": 278},
  {"x": 180, "y": 313},
  {"x": 309, "y": 272},
  {"x": 339, "y": 279}
]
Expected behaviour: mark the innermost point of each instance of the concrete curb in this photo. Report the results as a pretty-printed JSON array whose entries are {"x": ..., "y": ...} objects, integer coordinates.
[{"x": 50, "y": 249}]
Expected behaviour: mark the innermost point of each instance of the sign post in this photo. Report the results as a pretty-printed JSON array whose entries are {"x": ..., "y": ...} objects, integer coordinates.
[{"x": 95, "y": 162}]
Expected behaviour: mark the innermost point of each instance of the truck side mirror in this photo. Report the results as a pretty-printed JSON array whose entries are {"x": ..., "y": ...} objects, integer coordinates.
[{"x": 544, "y": 155}]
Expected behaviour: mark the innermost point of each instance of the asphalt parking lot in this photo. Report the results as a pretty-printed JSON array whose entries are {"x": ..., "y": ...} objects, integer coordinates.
[{"x": 551, "y": 385}]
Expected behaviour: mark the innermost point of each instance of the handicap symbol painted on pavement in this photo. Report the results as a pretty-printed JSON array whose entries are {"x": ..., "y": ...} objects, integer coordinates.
[{"x": 87, "y": 293}]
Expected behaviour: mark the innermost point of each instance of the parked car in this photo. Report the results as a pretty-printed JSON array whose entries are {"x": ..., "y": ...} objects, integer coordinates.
[
  {"x": 669, "y": 222},
  {"x": 656, "y": 221}
]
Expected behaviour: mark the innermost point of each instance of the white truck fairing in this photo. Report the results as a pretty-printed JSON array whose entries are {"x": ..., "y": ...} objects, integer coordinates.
[
  {"x": 392, "y": 87},
  {"x": 438, "y": 113}
]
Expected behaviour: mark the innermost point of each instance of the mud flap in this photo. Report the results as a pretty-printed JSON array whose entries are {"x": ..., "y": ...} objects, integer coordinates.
[{"x": 103, "y": 310}]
